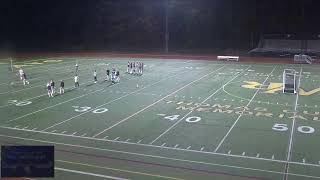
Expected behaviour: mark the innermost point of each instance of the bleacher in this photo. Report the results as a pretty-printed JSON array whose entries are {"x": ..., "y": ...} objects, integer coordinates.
[{"x": 286, "y": 46}]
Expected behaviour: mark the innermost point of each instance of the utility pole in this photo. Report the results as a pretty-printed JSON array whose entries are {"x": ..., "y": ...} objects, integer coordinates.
[{"x": 166, "y": 26}]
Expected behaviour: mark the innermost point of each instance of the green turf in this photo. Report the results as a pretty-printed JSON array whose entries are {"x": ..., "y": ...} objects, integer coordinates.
[{"x": 184, "y": 120}]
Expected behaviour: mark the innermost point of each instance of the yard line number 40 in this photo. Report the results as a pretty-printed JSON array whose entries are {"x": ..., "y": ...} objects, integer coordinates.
[{"x": 301, "y": 129}]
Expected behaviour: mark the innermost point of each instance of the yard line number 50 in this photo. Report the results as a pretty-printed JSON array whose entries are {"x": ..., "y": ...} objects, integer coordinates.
[{"x": 301, "y": 129}]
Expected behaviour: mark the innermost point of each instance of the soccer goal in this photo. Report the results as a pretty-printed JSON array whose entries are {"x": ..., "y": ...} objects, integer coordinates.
[{"x": 289, "y": 81}]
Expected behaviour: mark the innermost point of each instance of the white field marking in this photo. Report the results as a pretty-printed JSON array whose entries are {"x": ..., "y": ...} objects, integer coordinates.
[
  {"x": 54, "y": 105},
  {"x": 258, "y": 155},
  {"x": 116, "y": 138},
  {"x": 143, "y": 109},
  {"x": 243, "y": 153},
  {"x": 161, "y": 114},
  {"x": 106, "y": 137},
  {"x": 127, "y": 140},
  {"x": 34, "y": 129},
  {"x": 26, "y": 127},
  {"x": 272, "y": 156},
  {"x": 63, "y": 132},
  {"x": 210, "y": 96},
  {"x": 202, "y": 148},
  {"x": 17, "y": 126},
  {"x": 236, "y": 121},
  {"x": 54, "y": 125},
  {"x": 163, "y": 144},
  {"x": 229, "y": 152},
  {"x": 290, "y": 144},
  {"x": 53, "y": 131},
  {"x": 74, "y": 133},
  {"x": 89, "y": 174},
  {"x": 188, "y": 147},
  {"x": 83, "y": 134},
  {"x": 148, "y": 145},
  {"x": 163, "y": 157},
  {"x": 303, "y": 160},
  {"x": 178, "y": 145}
]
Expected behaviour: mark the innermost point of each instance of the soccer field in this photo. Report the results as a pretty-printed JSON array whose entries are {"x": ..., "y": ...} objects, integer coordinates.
[{"x": 182, "y": 119}]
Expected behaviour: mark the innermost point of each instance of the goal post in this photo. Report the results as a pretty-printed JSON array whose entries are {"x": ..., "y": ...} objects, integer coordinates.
[{"x": 289, "y": 81}]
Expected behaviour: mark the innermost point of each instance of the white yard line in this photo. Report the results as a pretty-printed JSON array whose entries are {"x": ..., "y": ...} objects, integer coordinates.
[
  {"x": 236, "y": 121},
  {"x": 196, "y": 107},
  {"x": 163, "y": 157},
  {"x": 147, "y": 107},
  {"x": 289, "y": 153},
  {"x": 89, "y": 174}
]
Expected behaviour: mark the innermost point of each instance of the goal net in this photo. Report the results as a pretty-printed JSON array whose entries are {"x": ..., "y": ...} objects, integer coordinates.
[{"x": 289, "y": 81}]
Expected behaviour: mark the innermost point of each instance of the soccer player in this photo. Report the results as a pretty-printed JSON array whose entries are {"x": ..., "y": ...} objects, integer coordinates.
[
  {"x": 21, "y": 73},
  {"x": 113, "y": 74},
  {"x": 52, "y": 86},
  {"x": 49, "y": 89},
  {"x": 25, "y": 79},
  {"x": 108, "y": 75},
  {"x": 62, "y": 87},
  {"x": 128, "y": 67},
  {"x": 131, "y": 65},
  {"x": 142, "y": 68},
  {"x": 117, "y": 76},
  {"x": 77, "y": 68},
  {"x": 76, "y": 81},
  {"x": 95, "y": 76}
]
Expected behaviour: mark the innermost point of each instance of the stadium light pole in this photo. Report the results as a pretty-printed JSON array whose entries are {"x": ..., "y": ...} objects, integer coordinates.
[{"x": 166, "y": 27}]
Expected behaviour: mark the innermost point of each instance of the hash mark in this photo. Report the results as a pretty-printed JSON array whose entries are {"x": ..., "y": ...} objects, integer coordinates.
[
  {"x": 244, "y": 153},
  {"x": 34, "y": 129},
  {"x": 229, "y": 152},
  {"x": 139, "y": 141},
  {"x": 64, "y": 132},
  {"x": 83, "y": 134},
  {"x": 258, "y": 155},
  {"x": 163, "y": 144},
  {"x": 116, "y": 138},
  {"x": 272, "y": 157},
  {"x": 303, "y": 160},
  {"x": 74, "y": 133},
  {"x": 53, "y": 131},
  {"x": 26, "y": 127},
  {"x": 202, "y": 149},
  {"x": 188, "y": 147},
  {"x": 176, "y": 145},
  {"x": 127, "y": 140}
]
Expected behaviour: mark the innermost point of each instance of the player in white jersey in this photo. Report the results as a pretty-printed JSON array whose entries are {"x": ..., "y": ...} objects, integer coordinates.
[
  {"x": 21, "y": 73},
  {"x": 76, "y": 81},
  {"x": 95, "y": 76},
  {"x": 128, "y": 67}
]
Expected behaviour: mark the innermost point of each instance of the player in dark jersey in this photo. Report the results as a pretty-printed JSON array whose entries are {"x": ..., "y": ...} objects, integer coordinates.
[
  {"x": 24, "y": 79},
  {"x": 108, "y": 75},
  {"x": 52, "y": 86},
  {"x": 49, "y": 89},
  {"x": 117, "y": 76},
  {"x": 62, "y": 87}
]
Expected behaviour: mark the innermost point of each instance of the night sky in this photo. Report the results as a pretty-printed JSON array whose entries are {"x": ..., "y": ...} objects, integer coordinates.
[{"x": 140, "y": 24}]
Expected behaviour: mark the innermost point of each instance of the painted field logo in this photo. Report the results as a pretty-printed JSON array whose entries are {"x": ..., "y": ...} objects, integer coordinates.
[{"x": 273, "y": 88}]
